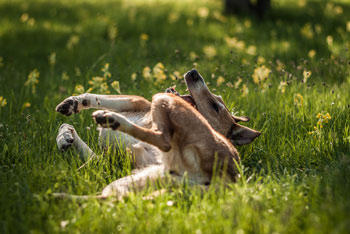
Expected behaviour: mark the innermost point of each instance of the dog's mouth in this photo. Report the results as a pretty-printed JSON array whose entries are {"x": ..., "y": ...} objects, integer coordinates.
[{"x": 187, "y": 97}]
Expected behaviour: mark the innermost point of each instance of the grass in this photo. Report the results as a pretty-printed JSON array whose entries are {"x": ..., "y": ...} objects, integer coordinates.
[{"x": 295, "y": 178}]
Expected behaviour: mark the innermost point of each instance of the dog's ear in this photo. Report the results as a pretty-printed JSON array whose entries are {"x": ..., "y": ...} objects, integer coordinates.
[
  {"x": 240, "y": 118},
  {"x": 242, "y": 135}
]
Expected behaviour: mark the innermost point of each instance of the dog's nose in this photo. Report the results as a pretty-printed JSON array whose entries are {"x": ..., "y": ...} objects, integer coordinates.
[{"x": 194, "y": 74}]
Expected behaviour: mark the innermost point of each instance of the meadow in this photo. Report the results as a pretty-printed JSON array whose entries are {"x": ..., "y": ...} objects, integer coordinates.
[{"x": 289, "y": 72}]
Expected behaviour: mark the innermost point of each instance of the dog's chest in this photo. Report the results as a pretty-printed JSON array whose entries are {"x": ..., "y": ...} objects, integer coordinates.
[{"x": 184, "y": 159}]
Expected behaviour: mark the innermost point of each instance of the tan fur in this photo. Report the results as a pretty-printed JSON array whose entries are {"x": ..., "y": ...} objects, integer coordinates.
[{"x": 168, "y": 135}]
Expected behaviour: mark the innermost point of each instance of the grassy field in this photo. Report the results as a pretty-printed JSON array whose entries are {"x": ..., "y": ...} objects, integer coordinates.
[{"x": 290, "y": 73}]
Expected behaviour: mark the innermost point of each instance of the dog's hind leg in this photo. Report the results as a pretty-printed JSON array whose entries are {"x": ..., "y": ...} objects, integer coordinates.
[
  {"x": 123, "y": 186},
  {"x": 140, "y": 179},
  {"x": 67, "y": 137},
  {"x": 118, "y": 103}
]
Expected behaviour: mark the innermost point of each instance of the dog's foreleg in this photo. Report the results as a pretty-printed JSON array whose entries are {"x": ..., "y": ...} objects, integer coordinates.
[
  {"x": 68, "y": 137},
  {"x": 159, "y": 138},
  {"x": 118, "y": 103}
]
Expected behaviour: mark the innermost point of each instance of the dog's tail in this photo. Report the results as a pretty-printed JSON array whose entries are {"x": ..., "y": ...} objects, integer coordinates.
[{"x": 67, "y": 196}]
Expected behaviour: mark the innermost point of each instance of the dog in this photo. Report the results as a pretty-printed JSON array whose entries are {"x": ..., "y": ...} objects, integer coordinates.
[{"x": 171, "y": 136}]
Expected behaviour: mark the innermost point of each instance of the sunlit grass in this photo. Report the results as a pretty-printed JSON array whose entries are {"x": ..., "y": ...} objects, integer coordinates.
[{"x": 290, "y": 73}]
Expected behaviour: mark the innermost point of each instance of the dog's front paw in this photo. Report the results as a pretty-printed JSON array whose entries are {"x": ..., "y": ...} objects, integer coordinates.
[
  {"x": 106, "y": 119},
  {"x": 65, "y": 137},
  {"x": 68, "y": 106},
  {"x": 172, "y": 90}
]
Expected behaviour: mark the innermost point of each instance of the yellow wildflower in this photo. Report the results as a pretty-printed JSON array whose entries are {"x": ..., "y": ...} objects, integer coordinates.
[
  {"x": 112, "y": 32},
  {"x": 203, "y": 12},
  {"x": 285, "y": 45},
  {"x": 209, "y": 51},
  {"x": 302, "y": 3},
  {"x": 24, "y": 17},
  {"x": 322, "y": 119},
  {"x": 306, "y": 75},
  {"x": 329, "y": 40},
  {"x": 338, "y": 10},
  {"x": 244, "y": 90},
  {"x": 79, "y": 89},
  {"x": 220, "y": 80},
  {"x": 33, "y": 79},
  {"x": 144, "y": 37},
  {"x": 3, "y": 101},
  {"x": 260, "y": 60},
  {"x": 147, "y": 73},
  {"x": 99, "y": 84},
  {"x": 73, "y": 41},
  {"x": 217, "y": 15},
  {"x": 77, "y": 71},
  {"x": 311, "y": 53},
  {"x": 238, "y": 82},
  {"x": 318, "y": 28},
  {"x": 173, "y": 17},
  {"x": 260, "y": 74},
  {"x": 105, "y": 70},
  {"x": 52, "y": 59},
  {"x": 348, "y": 26},
  {"x": 193, "y": 56},
  {"x": 235, "y": 43},
  {"x": 189, "y": 22},
  {"x": 65, "y": 76},
  {"x": 26, "y": 104},
  {"x": 247, "y": 23},
  {"x": 229, "y": 84},
  {"x": 133, "y": 76},
  {"x": 307, "y": 31},
  {"x": 244, "y": 61},
  {"x": 251, "y": 50},
  {"x": 175, "y": 75},
  {"x": 31, "y": 21},
  {"x": 158, "y": 72},
  {"x": 298, "y": 100},
  {"x": 116, "y": 86},
  {"x": 280, "y": 65},
  {"x": 282, "y": 86}
]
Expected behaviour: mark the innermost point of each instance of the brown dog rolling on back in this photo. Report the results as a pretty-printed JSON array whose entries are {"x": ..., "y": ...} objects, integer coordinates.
[{"x": 173, "y": 135}]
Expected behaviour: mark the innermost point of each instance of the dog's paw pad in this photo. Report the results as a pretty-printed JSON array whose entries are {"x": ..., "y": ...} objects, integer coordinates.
[
  {"x": 105, "y": 119},
  {"x": 68, "y": 106},
  {"x": 65, "y": 137}
]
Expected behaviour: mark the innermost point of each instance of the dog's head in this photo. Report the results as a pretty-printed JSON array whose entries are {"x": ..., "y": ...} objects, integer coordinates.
[{"x": 215, "y": 111}]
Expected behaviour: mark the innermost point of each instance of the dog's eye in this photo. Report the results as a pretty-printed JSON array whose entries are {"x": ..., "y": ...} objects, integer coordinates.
[{"x": 215, "y": 107}]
